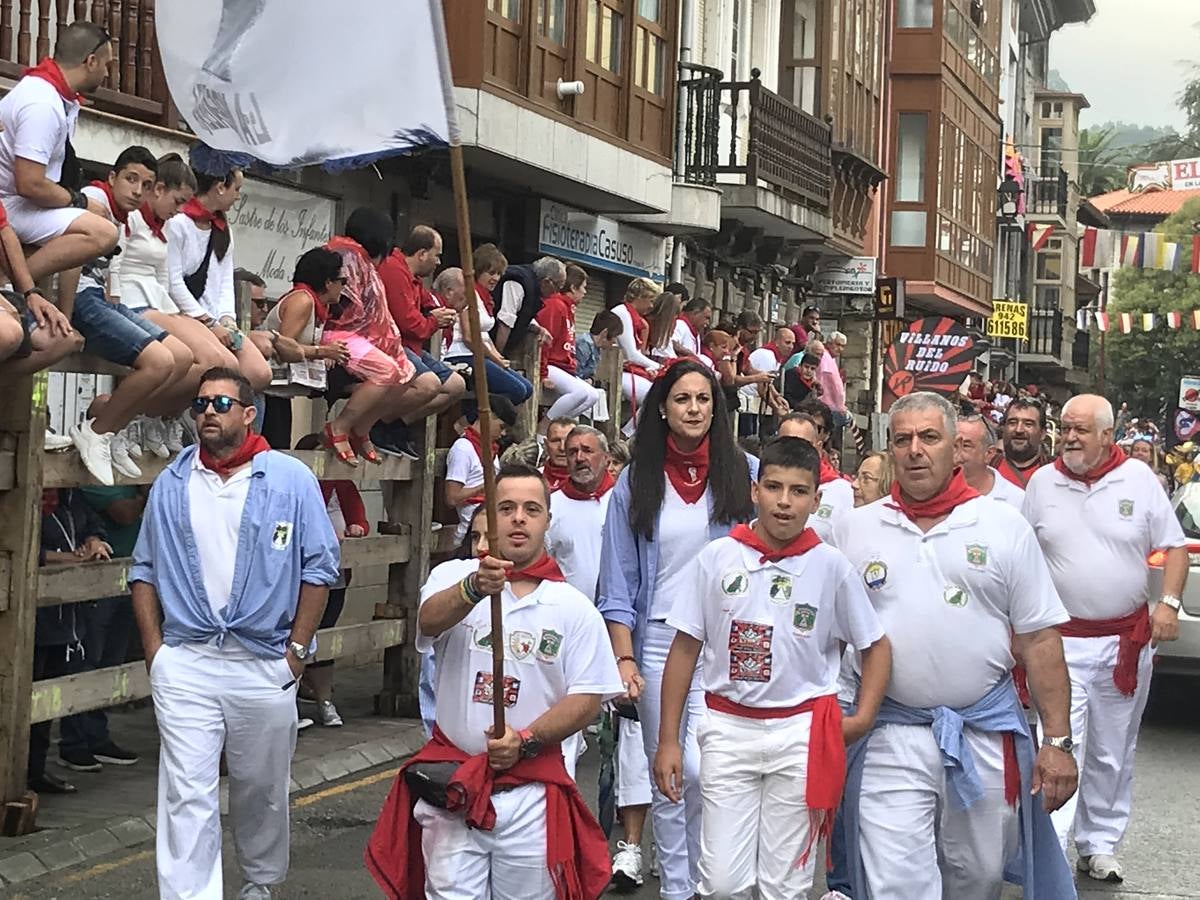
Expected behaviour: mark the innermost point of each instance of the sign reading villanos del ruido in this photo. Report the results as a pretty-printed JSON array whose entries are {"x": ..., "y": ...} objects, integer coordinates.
[{"x": 932, "y": 354}]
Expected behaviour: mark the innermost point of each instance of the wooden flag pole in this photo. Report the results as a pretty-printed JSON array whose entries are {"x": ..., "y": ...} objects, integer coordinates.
[{"x": 463, "y": 224}]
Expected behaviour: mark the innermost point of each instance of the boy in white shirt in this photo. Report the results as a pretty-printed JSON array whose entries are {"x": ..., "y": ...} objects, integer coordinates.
[{"x": 769, "y": 609}]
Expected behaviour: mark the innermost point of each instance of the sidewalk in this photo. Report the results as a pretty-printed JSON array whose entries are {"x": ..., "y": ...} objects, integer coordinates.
[{"x": 115, "y": 808}]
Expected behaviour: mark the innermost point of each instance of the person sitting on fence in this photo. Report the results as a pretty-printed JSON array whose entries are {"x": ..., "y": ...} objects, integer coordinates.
[
  {"x": 638, "y": 368},
  {"x": 464, "y": 463},
  {"x": 200, "y": 265},
  {"x": 71, "y": 535},
  {"x": 518, "y": 297},
  {"x": 377, "y": 374},
  {"x": 606, "y": 328},
  {"x": 693, "y": 321},
  {"x": 106, "y": 627},
  {"x": 112, "y": 331},
  {"x": 37, "y": 121},
  {"x": 663, "y": 317},
  {"x": 490, "y": 265},
  {"x": 575, "y": 397}
]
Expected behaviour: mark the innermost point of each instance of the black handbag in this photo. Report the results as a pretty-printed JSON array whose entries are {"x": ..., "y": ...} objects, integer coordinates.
[
  {"x": 430, "y": 781},
  {"x": 198, "y": 280}
]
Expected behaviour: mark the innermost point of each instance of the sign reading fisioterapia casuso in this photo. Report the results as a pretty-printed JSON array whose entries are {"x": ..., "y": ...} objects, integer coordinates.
[{"x": 592, "y": 240}]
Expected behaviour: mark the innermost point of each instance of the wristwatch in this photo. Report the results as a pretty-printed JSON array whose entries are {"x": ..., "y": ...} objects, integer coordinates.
[
  {"x": 530, "y": 746},
  {"x": 300, "y": 651},
  {"x": 1065, "y": 744},
  {"x": 1172, "y": 601}
]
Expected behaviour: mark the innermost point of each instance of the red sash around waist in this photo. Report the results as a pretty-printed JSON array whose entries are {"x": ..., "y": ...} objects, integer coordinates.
[{"x": 1134, "y": 633}]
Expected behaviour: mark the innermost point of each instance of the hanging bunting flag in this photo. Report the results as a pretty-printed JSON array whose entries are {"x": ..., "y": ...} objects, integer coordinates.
[
  {"x": 1126, "y": 323},
  {"x": 1081, "y": 318},
  {"x": 1129, "y": 250},
  {"x": 1196, "y": 319},
  {"x": 1039, "y": 235},
  {"x": 1174, "y": 319},
  {"x": 1106, "y": 245},
  {"x": 1087, "y": 248},
  {"x": 1152, "y": 247},
  {"x": 1101, "y": 320},
  {"x": 1148, "y": 321},
  {"x": 1170, "y": 258},
  {"x": 1195, "y": 254}
]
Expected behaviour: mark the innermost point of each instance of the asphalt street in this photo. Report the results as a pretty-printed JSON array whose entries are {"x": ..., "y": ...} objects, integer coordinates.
[{"x": 330, "y": 827}]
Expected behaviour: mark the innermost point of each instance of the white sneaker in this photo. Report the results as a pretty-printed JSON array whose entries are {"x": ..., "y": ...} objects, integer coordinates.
[
  {"x": 252, "y": 891},
  {"x": 95, "y": 450},
  {"x": 122, "y": 460},
  {"x": 174, "y": 434},
  {"x": 627, "y": 867},
  {"x": 154, "y": 437},
  {"x": 56, "y": 443},
  {"x": 133, "y": 437},
  {"x": 329, "y": 714},
  {"x": 1102, "y": 867},
  {"x": 304, "y": 722}
]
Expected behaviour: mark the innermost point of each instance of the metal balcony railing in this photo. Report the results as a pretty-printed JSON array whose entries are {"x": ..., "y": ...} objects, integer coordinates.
[
  {"x": 1046, "y": 195},
  {"x": 699, "y": 121},
  {"x": 1045, "y": 333}
]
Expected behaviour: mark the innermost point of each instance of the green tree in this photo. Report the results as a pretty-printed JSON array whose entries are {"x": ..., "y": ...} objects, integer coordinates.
[
  {"x": 1101, "y": 165},
  {"x": 1144, "y": 367}
]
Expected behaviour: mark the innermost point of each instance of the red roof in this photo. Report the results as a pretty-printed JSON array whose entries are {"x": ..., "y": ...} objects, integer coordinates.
[{"x": 1146, "y": 203}]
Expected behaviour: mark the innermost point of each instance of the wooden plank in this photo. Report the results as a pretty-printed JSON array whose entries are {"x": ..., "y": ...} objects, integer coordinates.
[
  {"x": 8, "y": 470},
  {"x": 5, "y": 576},
  {"x": 86, "y": 364},
  {"x": 58, "y": 697},
  {"x": 66, "y": 470},
  {"x": 59, "y": 584}
]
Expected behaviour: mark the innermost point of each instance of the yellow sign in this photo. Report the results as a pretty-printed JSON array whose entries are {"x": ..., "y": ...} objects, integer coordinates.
[{"x": 1009, "y": 320}]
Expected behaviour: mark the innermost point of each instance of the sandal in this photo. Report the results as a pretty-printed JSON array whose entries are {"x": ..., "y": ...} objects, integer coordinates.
[
  {"x": 331, "y": 442},
  {"x": 363, "y": 447}
]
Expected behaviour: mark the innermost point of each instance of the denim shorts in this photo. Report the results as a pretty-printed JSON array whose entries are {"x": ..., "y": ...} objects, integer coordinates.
[
  {"x": 424, "y": 362},
  {"x": 110, "y": 330}
]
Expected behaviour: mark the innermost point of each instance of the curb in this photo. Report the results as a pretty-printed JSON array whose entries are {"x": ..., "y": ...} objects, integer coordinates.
[{"x": 126, "y": 832}]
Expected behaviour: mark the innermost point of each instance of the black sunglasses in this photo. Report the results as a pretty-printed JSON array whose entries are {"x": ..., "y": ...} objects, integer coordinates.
[
  {"x": 107, "y": 39},
  {"x": 221, "y": 404}
]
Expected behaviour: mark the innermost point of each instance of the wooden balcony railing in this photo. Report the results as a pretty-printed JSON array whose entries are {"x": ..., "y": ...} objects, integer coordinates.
[
  {"x": 1046, "y": 195},
  {"x": 136, "y": 86},
  {"x": 699, "y": 116},
  {"x": 770, "y": 139}
]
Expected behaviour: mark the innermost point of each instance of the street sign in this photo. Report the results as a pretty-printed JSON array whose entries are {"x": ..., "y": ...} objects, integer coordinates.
[
  {"x": 889, "y": 299},
  {"x": 1009, "y": 320}
]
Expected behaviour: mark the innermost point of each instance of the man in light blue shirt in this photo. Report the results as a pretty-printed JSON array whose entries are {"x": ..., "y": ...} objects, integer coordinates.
[{"x": 230, "y": 576}]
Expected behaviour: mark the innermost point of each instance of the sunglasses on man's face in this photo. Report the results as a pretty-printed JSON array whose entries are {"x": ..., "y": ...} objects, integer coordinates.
[{"x": 221, "y": 404}]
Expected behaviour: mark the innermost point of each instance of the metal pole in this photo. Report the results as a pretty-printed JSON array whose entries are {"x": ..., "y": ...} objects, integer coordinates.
[{"x": 463, "y": 224}]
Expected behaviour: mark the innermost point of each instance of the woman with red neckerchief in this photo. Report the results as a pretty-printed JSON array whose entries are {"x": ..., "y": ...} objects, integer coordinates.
[
  {"x": 687, "y": 484},
  {"x": 634, "y": 340}
]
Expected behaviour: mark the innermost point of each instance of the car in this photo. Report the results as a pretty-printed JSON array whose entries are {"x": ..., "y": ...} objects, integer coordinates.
[{"x": 1182, "y": 657}]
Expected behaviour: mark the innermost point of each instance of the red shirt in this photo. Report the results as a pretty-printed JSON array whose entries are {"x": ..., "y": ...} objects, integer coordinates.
[
  {"x": 408, "y": 300},
  {"x": 557, "y": 316}
]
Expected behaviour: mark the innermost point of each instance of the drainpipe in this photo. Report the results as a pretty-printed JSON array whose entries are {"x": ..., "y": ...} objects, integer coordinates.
[{"x": 686, "y": 18}]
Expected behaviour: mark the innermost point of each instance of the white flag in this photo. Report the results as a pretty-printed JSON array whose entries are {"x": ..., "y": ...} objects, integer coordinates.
[{"x": 300, "y": 82}]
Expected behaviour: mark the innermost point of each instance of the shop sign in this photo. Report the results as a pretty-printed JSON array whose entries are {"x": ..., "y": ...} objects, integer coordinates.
[
  {"x": 274, "y": 225},
  {"x": 855, "y": 275},
  {"x": 1009, "y": 320},
  {"x": 933, "y": 354},
  {"x": 1189, "y": 393},
  {"x": 591, "y": 240},
  {"x": 889, "y": 298}
]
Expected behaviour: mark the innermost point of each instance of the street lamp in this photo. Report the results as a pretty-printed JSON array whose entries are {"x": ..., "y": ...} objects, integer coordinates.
[{"x": 1009, "y": 195}]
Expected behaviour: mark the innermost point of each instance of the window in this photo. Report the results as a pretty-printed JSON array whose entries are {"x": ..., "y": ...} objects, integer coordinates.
[
  {"x": 735, "y": 39},
  {"x": 1051, "y": 155},
  {"x": 552, "y": 20},
  {"x": 1048, "y": 266},
  {"x": 908, "y": 228},
  {"x": 649, "y": 53},
  {"x": 1045, "y": 297},
  {"x": 799, "y": 62},
  {"x": 910, "y": 158},
  {"x": 604, "y": 26},
  {"x": 510, "y": 9},
  {"x": 915, "y": 14}
]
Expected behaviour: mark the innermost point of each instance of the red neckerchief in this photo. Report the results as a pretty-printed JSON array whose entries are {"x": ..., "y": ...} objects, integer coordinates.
[
  {"x": 253, "y": 445},
  {"x": 197, "y": 212},
  {"x": 153, "y": 222},
  {"x": 1019, "y": 476},
  {"x": 320, "y": 310},
  {"x": 690, "y": 327},
  {"x": 955, "y": 493},
  {"x": 472, "y": 434},
  {"x": 798, "y": 546},
  {"x": 485, "y": 298},
  {"x": 828, "y": 473},
  {"x": 779, "y": 358},
  {"x": 707, "y": 354},
  {"x": 49, "y": 502},
  {"x": 688, "y": 471},
  {"x": 641, "y": 328},
  {"x": 570, "y": 489},
  {"x": 543, "y": 569},
  {"x": 49, "y": 70},
  {"x": 576, "y": 849},
  {"x": 1116, "y": 456},
  {"x": 118, "y": 214},
  {"x": 555, "y": 475}
]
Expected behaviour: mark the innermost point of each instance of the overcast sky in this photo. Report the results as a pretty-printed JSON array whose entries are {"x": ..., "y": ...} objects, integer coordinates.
[{"x": 1130, "y": 59}]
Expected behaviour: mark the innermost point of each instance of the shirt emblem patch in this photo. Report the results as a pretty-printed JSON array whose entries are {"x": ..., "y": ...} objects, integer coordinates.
[
  {"x": 781, "y": 588},
  {"x": 804, "y": 619},
  {"x": 824, "y": 511},
  {"x": 549, "y": 645},
  {"x": 282, "y": 535},
  {"x": 955, "y": 596},
  {"x": 520, "y": 643},
  {"x": 735, "y": 583},
  {"x": 1125, "y": 508},
  {"x": 875, "y": 574},
  {"x": 483, "y": 638},
  {"x": 483, "y": 689},
  {"x": 977, "y": 555},
  {"x": 750, "y": 651}
]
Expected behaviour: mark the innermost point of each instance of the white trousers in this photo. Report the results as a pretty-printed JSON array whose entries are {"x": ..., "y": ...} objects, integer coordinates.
[
  {"x": 676, "y": 825},
  {"x": 575, "y": 396},
  {"x": 634, "y": 388},
  {"x": 506, "y": 863},
  {"x": 753, "y": 776},
  {"x": 1105, "y": 723},
  {"x": 203, "y": 703},
  {"x": 633, "y": 769},
  {"x": 917, "y": 844}
]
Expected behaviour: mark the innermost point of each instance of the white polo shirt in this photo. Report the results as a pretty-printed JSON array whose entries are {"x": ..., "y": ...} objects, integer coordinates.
[
  {"x": 215, "y": 514},
  {"x": 771, "y": 630},
  {"x": 556, "y": 644},
  {"x": 463, "y": 466},
  {"x": 573, "y": 539},
  {"x": 1005, "y": 491},
  {"x": 950, "y": 598},
  {"x": 837, "y": 499},
  {"x": 683, "y": 336},
  {"x": 1096, "y": 539},
  {"x": 36, "y": 124}
]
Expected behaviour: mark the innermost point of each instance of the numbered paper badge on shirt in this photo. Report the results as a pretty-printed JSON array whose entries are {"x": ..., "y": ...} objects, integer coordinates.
[
  {"x": 482, "y": 692},
  {"x": 750, "y": 651}
]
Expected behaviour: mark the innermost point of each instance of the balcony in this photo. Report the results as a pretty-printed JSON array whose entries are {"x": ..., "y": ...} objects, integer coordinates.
[
  {"x": 1046, "y": 196},
  {"x": 136, "y": 87},
  {"x": 1045, "y": 336}
]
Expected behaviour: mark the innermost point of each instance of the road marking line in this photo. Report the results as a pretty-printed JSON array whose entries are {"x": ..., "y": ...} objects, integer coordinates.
[{"x": 105, "y": 868}]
